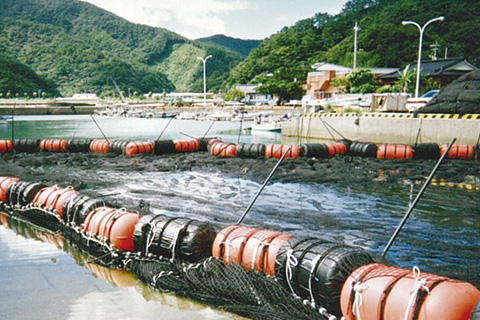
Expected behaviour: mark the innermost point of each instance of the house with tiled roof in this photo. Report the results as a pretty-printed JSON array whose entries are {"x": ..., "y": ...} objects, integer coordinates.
[
  {"x": 442, "y": 71},
  {"x": 319, "y": 82}
]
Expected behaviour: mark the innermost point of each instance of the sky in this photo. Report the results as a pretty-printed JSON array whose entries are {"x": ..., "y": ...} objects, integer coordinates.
[{"x": 245, "y": 19}]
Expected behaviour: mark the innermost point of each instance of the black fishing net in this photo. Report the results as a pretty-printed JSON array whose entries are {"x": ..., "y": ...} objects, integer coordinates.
[{"x": 227, "y": 287}]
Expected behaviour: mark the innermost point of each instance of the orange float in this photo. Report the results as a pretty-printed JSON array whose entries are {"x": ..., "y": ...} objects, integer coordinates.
[
  {"x": 138, "y": 147},
  {"x": 5, "y": 183},
  {"x": 394, "y": 151},
  {"x": 54, "y": 198},
  {"x": 115, "y": 225},
  {"x": 277, "y": 150},
  {"x": 458, "y": 151},
  {"x": 253, "y": 256},
  {"x": 218, "y": 246},
  {"x": 186, "y": 145},
  {"x": 6, "y": 146},
  {"x": 223, "y": 149},
  {"x": 269, "y": 264},
  {"x": 121, "y": 232},
  {"x": 100, "y": 146},
  {"x": 335, "y": 148},
  {"x": 53, "y": 145},
  {"x": 376, "y": 291},
  {"x": 94, "y": 218}
]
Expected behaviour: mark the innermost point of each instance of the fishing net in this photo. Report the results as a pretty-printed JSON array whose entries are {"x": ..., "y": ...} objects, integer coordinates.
[{"x": 227, "y": 287}]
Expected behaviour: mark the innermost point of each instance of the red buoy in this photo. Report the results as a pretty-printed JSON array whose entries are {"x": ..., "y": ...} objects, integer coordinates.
[
  {"x": 6, "y": 146},
  {"x": 5, "y": 182},
  {"x": 277, "y": 150},
  {"x": 394, "y": 151},
  {"x": 191, "y": 145},
  {"x": 223, "y": 149},
  {"x": 138, "y": 147},
  {"x": 255, "y": 249},
  {"x": 335, "y": 148},
  {"x": 458, "y": 151},
  {"x": 376, "y": 291},
  {"x": 100, "y": 146},
  {"x": 53, "y": 145}
]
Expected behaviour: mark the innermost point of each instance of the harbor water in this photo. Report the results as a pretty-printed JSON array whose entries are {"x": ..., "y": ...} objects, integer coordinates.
[{"x": 358, "y": 202}]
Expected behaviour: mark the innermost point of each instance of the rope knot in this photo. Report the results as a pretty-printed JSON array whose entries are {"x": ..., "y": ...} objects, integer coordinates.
[
  {"x": 419, "y": 284},
  {"x": 359, "y": 287}
]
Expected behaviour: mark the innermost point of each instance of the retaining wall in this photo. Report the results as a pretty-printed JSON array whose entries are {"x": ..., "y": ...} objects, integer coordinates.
[{"x": 386, "y": 128}]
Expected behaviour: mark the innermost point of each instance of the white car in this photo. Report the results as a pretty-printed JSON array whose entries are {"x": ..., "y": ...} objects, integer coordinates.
[{"x": 413, "y": 104}]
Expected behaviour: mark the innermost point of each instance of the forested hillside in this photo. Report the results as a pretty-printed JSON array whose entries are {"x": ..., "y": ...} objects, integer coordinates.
[
  {"x": 80, "y": 48},
  {"x": 240, "y": 46},
  {"x": 382, "y": 40},
  {"x": 17, "y": 78},
  {"x": 77, "y": 47}
]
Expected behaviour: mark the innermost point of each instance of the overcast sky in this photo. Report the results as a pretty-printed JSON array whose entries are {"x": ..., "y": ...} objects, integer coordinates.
[{"x": 245, "y": 19}]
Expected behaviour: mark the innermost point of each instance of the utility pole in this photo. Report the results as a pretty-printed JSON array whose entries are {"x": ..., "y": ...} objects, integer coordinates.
[{"x": 435, "y": 47}]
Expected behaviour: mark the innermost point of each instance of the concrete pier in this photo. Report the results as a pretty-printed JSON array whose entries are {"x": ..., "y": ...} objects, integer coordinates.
[{"x": 386, "y": 127}]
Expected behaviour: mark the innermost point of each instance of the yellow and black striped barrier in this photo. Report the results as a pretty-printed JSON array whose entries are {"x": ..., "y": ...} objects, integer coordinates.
[{"x": 396, "y": 115}]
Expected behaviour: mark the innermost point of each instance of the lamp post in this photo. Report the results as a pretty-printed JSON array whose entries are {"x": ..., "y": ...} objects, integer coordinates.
[
  {"x": 204, "y": 60},
  {"x": 421, "y": 29},
  {"x": 356, "y": 28}
]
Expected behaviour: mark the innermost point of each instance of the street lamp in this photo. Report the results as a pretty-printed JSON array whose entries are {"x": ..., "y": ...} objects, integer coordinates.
[
  {"x": 421, "y": 29},
  {"x": 355, "y": 29},
  {"x": 204, "y": 78}
]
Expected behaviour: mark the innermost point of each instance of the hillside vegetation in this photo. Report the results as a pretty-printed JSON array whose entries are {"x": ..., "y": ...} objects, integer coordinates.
[
  {"x": 382, "y": 40},
  {"x": 80, "y": 47},
  {"x": 76, "y": 47},
  {"x": 240, "y": 46},
  {"x": 17, "y": 78}
]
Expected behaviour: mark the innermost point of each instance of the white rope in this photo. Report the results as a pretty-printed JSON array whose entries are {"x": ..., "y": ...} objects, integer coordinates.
[
  {"x": 313, "y": 264},
  {"x": 291, "y": 261},
  {"x": 419, "y": 284},
  {"x": 254, "y": 256},
  {"x": 173, "y": 246},
  {"x": 151, "y": 235},
  {"x": 358, "y": 301},
  {"x": 227, "y": 245}
]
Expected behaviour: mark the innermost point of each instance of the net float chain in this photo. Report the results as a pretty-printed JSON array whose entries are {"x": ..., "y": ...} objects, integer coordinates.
[
  {"x": 222, "y": 149},
  {"x": 323, "y": 273}
]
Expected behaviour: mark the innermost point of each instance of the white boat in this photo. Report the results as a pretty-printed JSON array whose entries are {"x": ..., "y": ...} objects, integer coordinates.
[
  {"x": 268, "y": 126},
  {"x": 219, "y": 116},
  {"x": 3, "y": 120}
]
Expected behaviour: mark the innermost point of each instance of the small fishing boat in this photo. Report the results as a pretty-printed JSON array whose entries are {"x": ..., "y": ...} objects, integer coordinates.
[{"x": 267, "y": 126}]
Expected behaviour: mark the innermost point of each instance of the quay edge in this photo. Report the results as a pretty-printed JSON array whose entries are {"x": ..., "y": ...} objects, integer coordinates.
[{"x": 399, "y": 128}]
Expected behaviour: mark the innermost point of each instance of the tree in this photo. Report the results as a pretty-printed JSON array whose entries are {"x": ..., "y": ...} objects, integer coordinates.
[
  {"x": 285, "y": 90},
  {"x": 234, "y": 95},
  {"x": 361, "y": 81},
  {"x": 406, "y": 80}
]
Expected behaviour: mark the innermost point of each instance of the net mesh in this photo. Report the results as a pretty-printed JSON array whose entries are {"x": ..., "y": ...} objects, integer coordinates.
[{"x": 227, "y": 287}]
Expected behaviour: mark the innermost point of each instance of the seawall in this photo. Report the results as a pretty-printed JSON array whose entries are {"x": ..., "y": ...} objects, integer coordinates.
[{"x": 386, "y": 127}]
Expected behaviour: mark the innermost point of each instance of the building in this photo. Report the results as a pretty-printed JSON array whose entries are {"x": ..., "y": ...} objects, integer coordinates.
[
  {"x": 319, "y": 82},
  {"x": 442, "y": 71},
  {"x": 251, "y": 95}
]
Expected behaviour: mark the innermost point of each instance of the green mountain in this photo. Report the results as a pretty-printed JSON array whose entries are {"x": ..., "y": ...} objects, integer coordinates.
[
  {"x": 18, "y": 79},
  {"x": 80, "y": 47},
  {"x": 240, "y": 46},
  {"x": 282, "y": 61}
]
